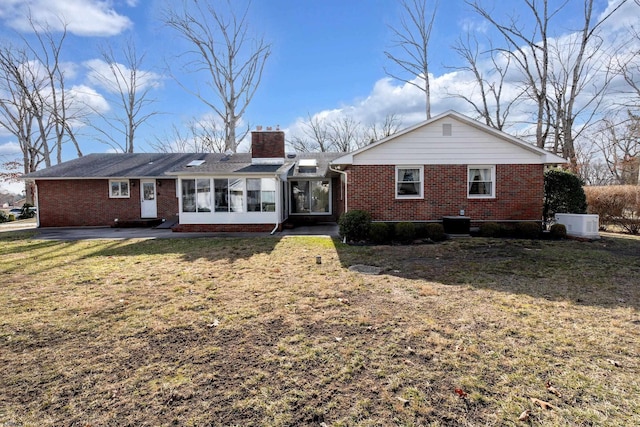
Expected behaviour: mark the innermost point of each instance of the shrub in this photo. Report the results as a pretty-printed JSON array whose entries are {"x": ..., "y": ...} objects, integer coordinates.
[
  {"x": 563, "y": 193},
  {"x": 528, "y": 230},
  {"x": 435, "y": 232},
  {"x": 380, "y": 232},
  {"x": 355, "y": 225},
  {"x": 405, "y": 231},
  {"x": 421, "y": 230},
  {"x": 490, "y": 229},
  {"x": 12, "y": 217},
  {"x": 4, "y": 217},
  {"x": 558, "y": 231},
  {"x": 616, "y": 205}
]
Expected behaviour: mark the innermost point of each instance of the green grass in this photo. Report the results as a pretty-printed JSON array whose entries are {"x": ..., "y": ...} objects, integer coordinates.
[{"x": 254, "y": 332}]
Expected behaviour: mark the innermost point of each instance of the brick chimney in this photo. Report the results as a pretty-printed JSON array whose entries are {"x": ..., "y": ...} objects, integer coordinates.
[{"x": 267, "y": 146}]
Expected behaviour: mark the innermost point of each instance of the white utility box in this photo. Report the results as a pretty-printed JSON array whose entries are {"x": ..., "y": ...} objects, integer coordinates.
[{"x": 580, "y": 225}]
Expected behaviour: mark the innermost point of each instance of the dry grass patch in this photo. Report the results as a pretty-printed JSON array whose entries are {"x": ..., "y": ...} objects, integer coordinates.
[{"x": 254, "y": 332}]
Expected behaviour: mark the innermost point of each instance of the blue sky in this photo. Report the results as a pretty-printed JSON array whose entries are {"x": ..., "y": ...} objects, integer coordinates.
[{"x": 327, "y": 57}]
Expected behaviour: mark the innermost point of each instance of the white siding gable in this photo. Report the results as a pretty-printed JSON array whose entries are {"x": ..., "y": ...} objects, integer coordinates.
[{"x": 431, "y": 144}]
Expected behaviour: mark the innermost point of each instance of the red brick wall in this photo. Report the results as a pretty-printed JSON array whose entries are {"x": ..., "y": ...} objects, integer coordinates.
[
  {"x": 519, "y": 194},
  {"x": 267, "y": 144},
  {"x": 71, "y": 203}
]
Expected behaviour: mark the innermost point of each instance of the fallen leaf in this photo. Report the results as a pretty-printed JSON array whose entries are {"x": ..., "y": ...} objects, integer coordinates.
[
  {"x": 542, "y": 403},
  {"x": 524, "y": 416},
  {"x": 552, "y": 389},
  {"x": 460, "y": 393}
]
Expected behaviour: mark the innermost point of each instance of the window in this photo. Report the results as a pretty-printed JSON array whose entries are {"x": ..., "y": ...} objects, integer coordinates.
[
  {"x": 229, "y": 195},
  {"x": 310, "y": 197},
  {"x": 221, "y": 194},
  {"x": 481, "y": 181},
  {"x": 119, "y": 189},
  {"x": 261, "y": 195},
  {"x": 409, "y": 182},
  {"x": 204, "y": 195}
]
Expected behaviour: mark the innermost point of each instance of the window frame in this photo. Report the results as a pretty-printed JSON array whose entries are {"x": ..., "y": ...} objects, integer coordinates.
[
  {"x": 492, "y": 169},
  {"x": 309, "y": 191},
  {"x": 420, "y": 194},
  {"x": 119, "y": 182},
  {"x": 220, "y": 197}
]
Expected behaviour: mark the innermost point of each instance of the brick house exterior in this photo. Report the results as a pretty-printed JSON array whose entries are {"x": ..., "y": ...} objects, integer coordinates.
[
  {"x": 83, "y": 203},
  {"x": 445, "y": 151},
  {"x": 447, "y": 166}
]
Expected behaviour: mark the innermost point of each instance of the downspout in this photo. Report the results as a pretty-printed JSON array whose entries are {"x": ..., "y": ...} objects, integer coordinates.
[{"x": 278, "y": 213}]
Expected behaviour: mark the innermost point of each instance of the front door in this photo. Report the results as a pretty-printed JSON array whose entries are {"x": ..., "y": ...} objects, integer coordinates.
[{"x": 148, "y": 204}]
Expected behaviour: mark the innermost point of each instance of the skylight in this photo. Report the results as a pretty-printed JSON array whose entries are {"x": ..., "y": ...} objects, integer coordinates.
[
  {"x": 307, "y": 163},
  {"x": 193, "y": 163}
]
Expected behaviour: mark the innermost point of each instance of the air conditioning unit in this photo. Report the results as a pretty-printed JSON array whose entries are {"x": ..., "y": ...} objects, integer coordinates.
[{"x": 580, "y": 225}]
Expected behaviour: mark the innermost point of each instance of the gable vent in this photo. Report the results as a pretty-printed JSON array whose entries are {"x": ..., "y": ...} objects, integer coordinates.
[{"x": 446, "y": 129}]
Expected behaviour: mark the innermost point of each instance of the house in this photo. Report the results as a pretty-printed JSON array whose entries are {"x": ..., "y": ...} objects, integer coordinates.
[
  {"x": 449, "y": 165},
  {"x": 255, "y": 191}
]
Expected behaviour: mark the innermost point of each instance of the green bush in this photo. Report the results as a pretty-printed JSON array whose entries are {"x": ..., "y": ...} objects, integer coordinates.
[
  {"x": 405, "y": 232},
  {"x": 380, "y": 232},
  {"x": 4, "y": 217},
  {"x": 558, "y": 231},
  {"x": 355, "y": 225},
  {"x": 421, "y": 230},
  {"x": 490, "y": 229},
  {"x": 563, "y": 193},
  {"x": 528, "y": 230},
  {"x": 435, "y": 232}
]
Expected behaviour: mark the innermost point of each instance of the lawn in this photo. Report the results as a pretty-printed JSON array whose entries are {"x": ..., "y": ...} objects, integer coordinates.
[{"x": 249, "y": 332}]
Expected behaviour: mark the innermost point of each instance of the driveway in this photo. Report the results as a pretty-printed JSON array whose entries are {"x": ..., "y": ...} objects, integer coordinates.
[{"x": 109, "y": 233}]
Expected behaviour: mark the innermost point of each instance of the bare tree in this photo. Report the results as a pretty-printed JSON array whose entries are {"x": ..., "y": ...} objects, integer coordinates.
[
  {"x": 488, "y": 101},
  {"x": 345, "y": 134},
  {"x": 202, "y": 136},
  {"x": 412, "y": 37},
  {"x": 554, "y": 76},
  {"x": 376, "y": 131},
  {"x": 129, "y": 86},
  {"x": 314, "y": 137},
  {"x": 233, "y": 61},
  {"x": 619, "y": 144}
]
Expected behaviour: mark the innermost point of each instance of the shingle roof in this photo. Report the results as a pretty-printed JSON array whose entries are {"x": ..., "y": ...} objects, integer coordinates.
[
  {"x": 322, "y": 162},
  {"x": 147, "y": 165},
  {"x": 116, "y": 165}
]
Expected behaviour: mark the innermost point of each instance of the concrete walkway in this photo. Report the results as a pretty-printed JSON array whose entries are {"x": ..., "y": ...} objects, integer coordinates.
[{"x": 109, "y": 233}]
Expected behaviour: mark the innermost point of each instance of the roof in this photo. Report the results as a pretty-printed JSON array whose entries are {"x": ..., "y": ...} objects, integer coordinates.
[
  {"x": 116, "y": 165},
  {"x": 323, "y": 160},
  {"x": 546, "y": 157},
  {"x": 159, "y": 165}
]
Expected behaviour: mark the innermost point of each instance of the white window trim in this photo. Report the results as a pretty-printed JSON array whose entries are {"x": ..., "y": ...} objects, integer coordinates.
[
  {"x": 212, "y": 185},
  {"x": 493, "y": 182},
  {"x": 120, "y": 181},
  {"x": 395, "y": 189}
]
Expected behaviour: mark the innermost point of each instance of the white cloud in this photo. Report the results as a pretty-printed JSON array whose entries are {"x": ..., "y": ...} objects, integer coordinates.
[
  {"x": 82, "y": 17},
  {"x": 9, "y": 149},
  {"x": 84, "y": 95},
  {"x": 101, "y": 74}
]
